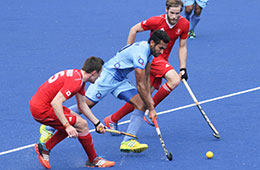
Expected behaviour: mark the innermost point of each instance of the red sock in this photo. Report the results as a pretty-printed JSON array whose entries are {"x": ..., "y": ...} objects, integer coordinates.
[
  {"x": 127, "y": 108},
  {"x": 163, "y": 92},
  {"x": 87, "y": 143},
  {"x": 55, "y": 139}
]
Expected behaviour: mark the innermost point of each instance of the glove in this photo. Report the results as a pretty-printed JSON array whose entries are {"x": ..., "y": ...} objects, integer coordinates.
[{"x": 184, "y": 75}]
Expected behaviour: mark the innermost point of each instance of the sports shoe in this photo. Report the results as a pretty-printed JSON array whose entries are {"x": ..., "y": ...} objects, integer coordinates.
[
  {"x": 45, "y": 134},
  {"x": 111, "y": 125},
  {"x": 100, "y": 163},
  {"x": 192, "y": 34},
  {"x": 43, "y": 155},
  {"x": 132, "y": 146}
]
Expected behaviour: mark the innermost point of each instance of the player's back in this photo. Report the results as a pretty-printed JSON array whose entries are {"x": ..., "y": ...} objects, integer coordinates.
[{"x": 49, "y": 89}]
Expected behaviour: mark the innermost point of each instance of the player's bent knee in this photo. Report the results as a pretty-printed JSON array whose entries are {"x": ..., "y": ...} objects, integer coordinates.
[
  {"x": 173, "y": 83},
  {"x": 173, "y": 79},
  {"x": 81, "y": 125}
]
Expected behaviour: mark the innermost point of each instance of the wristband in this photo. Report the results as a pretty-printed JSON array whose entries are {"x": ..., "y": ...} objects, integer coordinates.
[
  {"x": 66, "y": 125},
  {"x": 183, "y": 69},
  {"x": 97, "y": 123}
]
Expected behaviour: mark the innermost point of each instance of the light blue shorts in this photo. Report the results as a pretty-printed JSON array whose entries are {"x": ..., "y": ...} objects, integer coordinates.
[
  {"x": 201, "y": 3},
  {"x": 107, "y": 84}
]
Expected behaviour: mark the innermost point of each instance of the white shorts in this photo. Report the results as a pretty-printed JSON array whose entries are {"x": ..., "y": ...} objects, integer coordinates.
[
  {"x": 107, "y": 84},
  {"x": 201, "y": 3}
]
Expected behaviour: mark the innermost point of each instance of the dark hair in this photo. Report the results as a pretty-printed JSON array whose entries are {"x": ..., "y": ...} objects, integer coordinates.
[
  {"x": 174, "y": 3},
  {"x": 159, "y": 35},
  {"x": 92, "y": 63}
]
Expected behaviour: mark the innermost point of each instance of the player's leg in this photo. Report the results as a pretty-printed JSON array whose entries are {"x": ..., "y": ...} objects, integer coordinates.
[
  {"x": 188, "y": 4},
  {"x": 123, "y": 111},
  {"x": 136, "y": 120},
  {"x": 195, "y": 20},
  {"x": 160, "y": 68},
  {"x": 47, "y": 131},
  {"x": 49, "y": 118},
  {"x": 87, "y": 143},
  {"x": 127, "y": 92},
  {"x": 173, "y": 80},
  {"x": 199, "y": 5}
]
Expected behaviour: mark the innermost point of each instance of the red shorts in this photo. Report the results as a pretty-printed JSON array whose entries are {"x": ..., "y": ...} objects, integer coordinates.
[
  {"x": 159, "y": 67},
  {"x": 48, "y": 116}
]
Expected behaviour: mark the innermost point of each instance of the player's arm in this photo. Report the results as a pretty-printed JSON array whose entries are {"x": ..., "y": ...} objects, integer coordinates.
[
  {"x": 82, "y": 105},
  {"x": 183, "y": 57},
  {"x": 144, "y": 88},
  {"x": 132, "y": 33},
  {"x": 183, "y": 52},
  {"x": 152, "y": 113},
  {"x": 56, "y": 104},
  {"x": 57, "y": 107}
]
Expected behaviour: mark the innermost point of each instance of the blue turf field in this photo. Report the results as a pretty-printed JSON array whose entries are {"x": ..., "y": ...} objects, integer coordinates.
[{"x": 39, "y": 38}]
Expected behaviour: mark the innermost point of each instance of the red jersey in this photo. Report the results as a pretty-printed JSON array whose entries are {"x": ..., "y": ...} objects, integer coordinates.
[
  {"x": 68, "y": 82},
  {"x": 180, "y": 29}
]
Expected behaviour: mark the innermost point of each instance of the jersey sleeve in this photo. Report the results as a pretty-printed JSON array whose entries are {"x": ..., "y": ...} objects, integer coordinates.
[
  {"x": 139, "y": 61},
  {"x": 150, "y": 24},
  {"x": 150, "y": 59},
  {"x": 186, "y": 27}
]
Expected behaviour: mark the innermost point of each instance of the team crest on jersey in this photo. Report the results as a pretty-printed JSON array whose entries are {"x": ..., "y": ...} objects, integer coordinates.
[
  {"x": 178, "y": 31},
  {"x": 98, "y": 95},
  {"x": 68, "y": 93},
  {"x": 117, "y": 65},
  {"x": 141, "y": 61}
]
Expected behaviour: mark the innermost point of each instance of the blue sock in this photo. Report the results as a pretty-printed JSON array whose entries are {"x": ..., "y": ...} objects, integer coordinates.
[
  {"x": 187, "y": 16},
  {"x": 49, "y": 128},
  {"x": 194, "y": 21},
  {"x": 136, "y": 120},
  {"x": 74, "y": 108}
]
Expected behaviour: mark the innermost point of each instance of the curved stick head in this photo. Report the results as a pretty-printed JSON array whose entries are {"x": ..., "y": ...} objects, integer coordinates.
[{"x": 169, "y": 156}]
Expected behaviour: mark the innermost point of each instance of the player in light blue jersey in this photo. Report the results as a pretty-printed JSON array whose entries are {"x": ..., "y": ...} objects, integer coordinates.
[
  {"x": 196, "y": 6},
  {"x": 135, "y": 57}
]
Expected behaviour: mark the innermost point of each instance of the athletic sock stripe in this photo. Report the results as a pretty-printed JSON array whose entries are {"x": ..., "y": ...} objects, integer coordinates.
[{"x": 167, "y": 87}]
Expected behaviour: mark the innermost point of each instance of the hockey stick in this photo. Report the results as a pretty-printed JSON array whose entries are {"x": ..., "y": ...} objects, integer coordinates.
[
  {"x": 121, "y": 133},
  {"x": 215, "y": 132},
  {"x": 168, "y": 154}
]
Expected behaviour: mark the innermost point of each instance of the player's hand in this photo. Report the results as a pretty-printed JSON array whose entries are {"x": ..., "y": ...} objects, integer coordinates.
[
  {"x": 100, "y": 128},
  {"x": 184, "y": 74},
  {"x": 152, "y": 114},
  {"x": 72, "y": 132}
]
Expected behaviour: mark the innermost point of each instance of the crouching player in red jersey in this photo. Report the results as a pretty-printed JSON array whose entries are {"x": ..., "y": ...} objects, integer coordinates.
[
  {"x": 46, "y": 108},
  {"x": 176, "y": 27}
]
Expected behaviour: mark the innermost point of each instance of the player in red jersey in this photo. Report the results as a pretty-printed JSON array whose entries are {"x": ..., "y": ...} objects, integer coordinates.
[
  {"x": 46, "y": 107},
  {"x": 176, "y": 27}
]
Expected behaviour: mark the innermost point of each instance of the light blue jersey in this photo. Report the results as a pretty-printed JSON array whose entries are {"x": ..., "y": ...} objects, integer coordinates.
[
  {"x": 113, "y": 78},
  {"x": 128, "y": 58}
]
